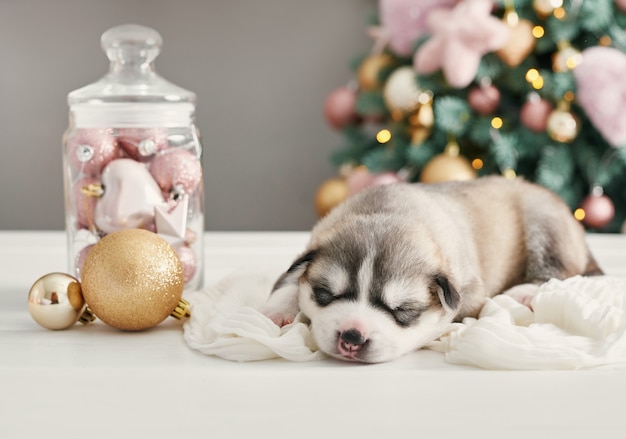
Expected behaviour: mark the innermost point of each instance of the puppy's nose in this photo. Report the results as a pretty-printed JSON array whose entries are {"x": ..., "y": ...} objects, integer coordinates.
[{"x": 353, "y": 337}]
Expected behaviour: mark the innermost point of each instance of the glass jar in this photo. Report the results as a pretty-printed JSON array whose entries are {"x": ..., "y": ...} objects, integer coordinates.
[{"x": 132, "y": 155}]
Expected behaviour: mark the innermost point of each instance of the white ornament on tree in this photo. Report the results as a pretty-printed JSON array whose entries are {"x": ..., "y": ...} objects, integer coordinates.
[{"x": 401, "y": 91}]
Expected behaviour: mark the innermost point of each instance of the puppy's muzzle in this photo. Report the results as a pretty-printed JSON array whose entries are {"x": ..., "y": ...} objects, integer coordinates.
[{"x": 350, "y": 342}]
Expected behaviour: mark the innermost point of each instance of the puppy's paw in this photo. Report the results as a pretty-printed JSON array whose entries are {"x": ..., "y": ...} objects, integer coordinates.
[
  {"x": 280, "y": 319},
  {"x": 524, "y": 293},
  {"x": 282, "y": 305}
]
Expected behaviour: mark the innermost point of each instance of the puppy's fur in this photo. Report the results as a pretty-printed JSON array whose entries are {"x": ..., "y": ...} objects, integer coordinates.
[{"x": 390, "y": 268}]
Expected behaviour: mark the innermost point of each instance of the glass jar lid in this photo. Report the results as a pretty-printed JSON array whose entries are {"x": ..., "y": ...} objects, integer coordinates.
[
  {"x": 132, "y": 93},
  {"x": 131, "y": 49}
]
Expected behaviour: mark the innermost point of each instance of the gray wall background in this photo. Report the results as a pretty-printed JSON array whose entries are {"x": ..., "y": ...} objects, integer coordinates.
[{"x": 261, "y": 71}]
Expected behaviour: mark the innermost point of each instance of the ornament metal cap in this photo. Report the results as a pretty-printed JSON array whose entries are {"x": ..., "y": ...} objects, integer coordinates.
[
  {"x": 87, "y": 316},
  {"x": 181, "y": 310}
]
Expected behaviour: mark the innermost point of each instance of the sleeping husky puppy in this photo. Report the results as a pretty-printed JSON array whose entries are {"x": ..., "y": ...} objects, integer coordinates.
[{"x": 390, "y": 268}]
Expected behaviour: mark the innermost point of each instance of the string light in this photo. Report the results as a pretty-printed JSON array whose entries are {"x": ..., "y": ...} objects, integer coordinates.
[
  {"x": 532, "y": 74},
  {"x": 559, "y": 13},
  {"x": 538, "y": 31},
  {"x": 605, "y": 40},
  {"x": 497, "y": 123},
  {"x": 573, "y": 61},
  {"x": 579, "y": 214},
  {"x": 534, "y": 77},
  {"x": 477, "y": 164},
  {"x": 537, "y": 83},
  {"x": 383, "y": 136}
]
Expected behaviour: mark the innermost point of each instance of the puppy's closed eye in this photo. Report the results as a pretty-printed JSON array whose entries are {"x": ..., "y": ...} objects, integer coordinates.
[
  {"x": 404, "y": 314},
  {"x": 407, "y": 313},
  {"x": 322, "y": 295}
]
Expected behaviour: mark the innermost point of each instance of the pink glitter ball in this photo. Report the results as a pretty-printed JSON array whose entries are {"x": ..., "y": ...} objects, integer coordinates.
[
  {"x": 91, "y": 149},
  {"x": 142, "y": 143},
  {"x": 188, "y": 261},
  {"x": 176, "y": 167},
  {"x": 84, "y": 205}
]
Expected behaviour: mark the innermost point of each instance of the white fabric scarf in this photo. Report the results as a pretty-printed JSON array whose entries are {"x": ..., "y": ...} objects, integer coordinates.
[{"x": 576, "y": 323}]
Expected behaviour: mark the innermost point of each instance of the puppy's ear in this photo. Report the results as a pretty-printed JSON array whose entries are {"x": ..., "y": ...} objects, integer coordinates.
[
  {"x": 291, "y": 276},
  {"x": 448, "y": 295}
]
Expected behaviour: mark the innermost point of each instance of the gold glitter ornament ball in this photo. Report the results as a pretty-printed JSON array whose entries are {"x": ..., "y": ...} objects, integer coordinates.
[{"x": 132, "y": 279}]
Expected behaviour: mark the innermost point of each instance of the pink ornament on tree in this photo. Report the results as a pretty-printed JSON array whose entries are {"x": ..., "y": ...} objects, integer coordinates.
[
  {"x": 91, "y": 149},
  {"x": 176, "y": 169},
  {"x": 535, "y": 113},
  {"x": 404, "y": 21},
  {"x": 599, "y": 209},
  {"x": 460, "y": 38},
  {"x": 601, "y": 91},
  {"x": 385, "y": 178},
  {"x": 621, "y": 4},
  {"x": 142, "y": 143},
  {"x": 358, "y": 179},
  {"x": 484, "y": 99},
  {"x": 339, "y": 107}
]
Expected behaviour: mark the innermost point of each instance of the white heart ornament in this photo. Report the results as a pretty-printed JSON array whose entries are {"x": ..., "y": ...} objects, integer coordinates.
[
  {"x": 130, "y": 196},
  {"x": 601, "y": 91}
]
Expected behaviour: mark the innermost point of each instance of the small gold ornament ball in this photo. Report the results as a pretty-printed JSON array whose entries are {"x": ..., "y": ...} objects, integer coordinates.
[
  {"x": 447, "y": 167},
  {"x": 55, "y": 301},
  {"x": 330, "y": 194},
  {"x": 369, "y": 72},
  {"x": 562, "y": 125},
  {"x": 566, "y": 58},
  {"x": 132, "y": 279}
]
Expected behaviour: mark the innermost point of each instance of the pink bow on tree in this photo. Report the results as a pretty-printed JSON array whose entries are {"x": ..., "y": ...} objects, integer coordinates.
[
  {"x": 404, "y": 21},
  {"x": 460, "y": 37}
]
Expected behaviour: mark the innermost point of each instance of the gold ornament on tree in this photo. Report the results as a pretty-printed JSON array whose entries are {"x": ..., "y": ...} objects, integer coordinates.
[
  {"x": 563, "y": 125},
  {"x": 370, "y": 70},
  {"x": 566, "y": 58},
  {"x": 132, "y": 279},
  {"x": 331, "y": 193},
  {"x": 521, "y": 41},
  {"x": 422, "y": 121},
  {"x": 448, "y": 166}
]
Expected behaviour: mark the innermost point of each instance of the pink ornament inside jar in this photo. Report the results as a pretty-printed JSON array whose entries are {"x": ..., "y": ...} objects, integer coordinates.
[{"x": 176, "y": 169}]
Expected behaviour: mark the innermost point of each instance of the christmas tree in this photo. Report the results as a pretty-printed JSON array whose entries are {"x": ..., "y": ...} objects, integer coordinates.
[{"x": 454, "y": 89}]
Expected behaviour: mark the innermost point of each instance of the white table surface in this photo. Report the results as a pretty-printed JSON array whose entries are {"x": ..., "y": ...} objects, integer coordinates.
[{"x": 98, "y": 382}]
